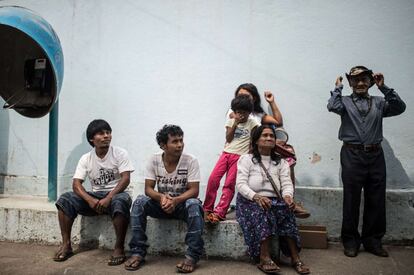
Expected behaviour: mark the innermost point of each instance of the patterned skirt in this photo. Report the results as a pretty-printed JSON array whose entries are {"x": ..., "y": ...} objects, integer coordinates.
[{"x": 258, "y": 225}]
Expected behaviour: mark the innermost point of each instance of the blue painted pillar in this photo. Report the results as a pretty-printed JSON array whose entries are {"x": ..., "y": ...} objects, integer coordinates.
[
  {"x": 23, "y": 25},
  {"x": 53, "y": 153}
]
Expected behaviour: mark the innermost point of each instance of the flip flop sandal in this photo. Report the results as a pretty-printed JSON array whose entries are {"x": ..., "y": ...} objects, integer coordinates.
[
  {"x": 273, "y": 270},
  {"x": 300, "y": 267},
  {"x": 206, "y": 213},
  {"x": 116, "y": 260},
  {"x": 63, "y": 256},
  {"x": 132, "y": 267},
  {"x": 214, "y": 218},
  {"x": 186, "y": 262}
]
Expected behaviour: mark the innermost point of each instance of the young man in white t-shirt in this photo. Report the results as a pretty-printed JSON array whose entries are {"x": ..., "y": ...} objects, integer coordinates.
[
  {"x": 177, "y": 177},
  {"x": 108, "y": 169}
]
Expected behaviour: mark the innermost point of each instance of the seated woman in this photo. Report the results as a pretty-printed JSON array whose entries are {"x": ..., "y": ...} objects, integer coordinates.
[
  {"x": 276, "y": 119},
  {"x": 265, "y": 202}
]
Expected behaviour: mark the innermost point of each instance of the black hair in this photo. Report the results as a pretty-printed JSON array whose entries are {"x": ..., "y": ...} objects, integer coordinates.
[
  {"x": 251, "y": 88},
  {"x": 94, "y": 127},
  {"x": 256, "y": 134},
  {"x": 168, "y": 130},
  {"x": 242, "y": 103}
]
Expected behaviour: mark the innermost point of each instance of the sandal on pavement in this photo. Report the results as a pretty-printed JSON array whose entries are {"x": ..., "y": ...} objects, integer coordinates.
[
  {"x": 300, "y": 267},
  {"x": 268, "y": 267},
  {"x": 186, "y": 266},
  {"x": 116, "y": 260},
  {"x": 62, "y": 256},
  {"x": 134, "y": 263}
]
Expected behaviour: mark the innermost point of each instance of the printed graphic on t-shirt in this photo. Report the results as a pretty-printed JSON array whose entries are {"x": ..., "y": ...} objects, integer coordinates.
[
  {"x": 182, "y": 171},
  {"x": 176, "y": 182},
  {"x": 174, "y": 186},
  {"x": 241, "y": 139},
  {"x": 240, "y": 132},
  {"x": 105, "y": 177}
]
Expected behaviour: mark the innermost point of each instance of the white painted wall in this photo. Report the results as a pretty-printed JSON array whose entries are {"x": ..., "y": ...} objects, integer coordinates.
[{"x": 141, "y": 64}]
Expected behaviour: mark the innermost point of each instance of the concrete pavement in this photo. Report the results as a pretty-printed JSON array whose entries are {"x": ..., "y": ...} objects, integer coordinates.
[{"x": 16, "y": 258}]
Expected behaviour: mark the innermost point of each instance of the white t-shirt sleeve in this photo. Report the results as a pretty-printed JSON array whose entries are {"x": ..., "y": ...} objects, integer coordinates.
[
  {"x": 253, "y": 123},
  {"x": 194, "y": 171},
  {"x": 258, "y": 117},
  {"x": 124, "y": 163},
  {"x": 229, "y": 122},
  {"x": 150, "y": 169},
  {"x": 243, "y": 171},
  {"x": 82, "y": 168}
]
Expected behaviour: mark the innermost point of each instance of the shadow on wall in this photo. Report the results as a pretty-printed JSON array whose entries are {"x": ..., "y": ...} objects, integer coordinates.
[
  {"x": 4, "y": 146},
  {"x": 308, "y": 181},
  {"x": 72, "y": 162},
  {"x": 397, "y": 178}
]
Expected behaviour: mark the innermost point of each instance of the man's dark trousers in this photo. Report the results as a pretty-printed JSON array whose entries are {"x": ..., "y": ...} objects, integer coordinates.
[{"x": 363, "y": 169}]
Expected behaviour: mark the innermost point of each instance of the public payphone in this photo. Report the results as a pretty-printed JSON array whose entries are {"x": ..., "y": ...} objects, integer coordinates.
[
  {"x": 31, "y": 62},
  {"x": 31, "y": 73}
]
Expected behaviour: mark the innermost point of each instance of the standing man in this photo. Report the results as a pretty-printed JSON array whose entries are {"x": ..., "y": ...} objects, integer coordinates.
[
  {"x": 108, "y": 169},
  {"x": 177, "y": 177},
  {"x": 362, "y": 157}
]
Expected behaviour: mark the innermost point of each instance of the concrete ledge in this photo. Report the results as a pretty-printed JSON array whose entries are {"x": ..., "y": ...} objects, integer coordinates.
[
  {"x": 24, "y": 219},
  {"x": 33, "y": 219},
  {"x": 325, "y": 205}
]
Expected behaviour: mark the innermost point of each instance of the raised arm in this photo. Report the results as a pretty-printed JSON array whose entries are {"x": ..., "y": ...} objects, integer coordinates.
[
  {"x": 231, "y": 126},
  {"x": 393, "y": 103},
  {"x": 335, "y": 101},
  {"x": 277, "y": 115}
]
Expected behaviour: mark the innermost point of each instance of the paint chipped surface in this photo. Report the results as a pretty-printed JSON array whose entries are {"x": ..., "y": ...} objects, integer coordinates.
[{"x": 316, "y": 158}]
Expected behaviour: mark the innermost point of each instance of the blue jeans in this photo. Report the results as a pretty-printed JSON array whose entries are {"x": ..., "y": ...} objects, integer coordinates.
[
  {"x": 72, "y": 205},
  {"x": 189, "y": 211}
]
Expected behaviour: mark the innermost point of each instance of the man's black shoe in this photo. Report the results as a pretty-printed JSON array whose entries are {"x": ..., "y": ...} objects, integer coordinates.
[
  {"x": 378, "y": 251},
  {"x": 351, "y": 252}
]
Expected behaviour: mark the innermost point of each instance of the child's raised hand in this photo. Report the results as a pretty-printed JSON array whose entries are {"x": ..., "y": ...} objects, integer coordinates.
[
  {"x": 238, "y": 117},
  {"x": 269, "y": 96}
]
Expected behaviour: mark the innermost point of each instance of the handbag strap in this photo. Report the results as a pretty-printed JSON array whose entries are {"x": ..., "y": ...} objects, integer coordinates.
[{"x": 271, "y": 180}]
